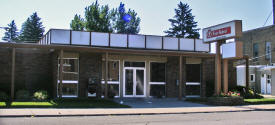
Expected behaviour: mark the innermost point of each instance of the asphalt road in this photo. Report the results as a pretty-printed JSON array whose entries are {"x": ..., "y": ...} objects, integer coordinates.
[{"x": 227, "y": 118}]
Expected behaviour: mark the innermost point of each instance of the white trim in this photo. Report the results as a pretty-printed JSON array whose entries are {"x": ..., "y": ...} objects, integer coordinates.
[
  {"x": 110, "y": 82},
  {"x": 68, "y": 81},
  {"x": 91, "y": 95},
  {"x": 69, "y": 96},
  {"x": 157, "y": 83},
  {"x": 193, "y": 83},
  {"x": 192, "y": 96},
  {"x": 68, "y": 58},
  {"x": 76, "y": 73}
]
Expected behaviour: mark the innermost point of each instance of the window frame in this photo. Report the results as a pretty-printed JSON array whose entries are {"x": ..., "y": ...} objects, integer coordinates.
[
  {"x": 157, "y": 83},
  {"x": 253, "y": 80},
  {"x": 112, "y": 82},
  {"x": 68, "y": 81}
]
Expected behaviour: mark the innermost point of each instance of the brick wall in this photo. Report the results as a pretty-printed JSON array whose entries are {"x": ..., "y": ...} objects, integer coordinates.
[
  {"x": 5, "y": 67},
  {"x": 90, "y": 65},
  {"x": 260, "y": 36},
  {"x": 32, "y": 70},
  {"x": 208, "y": 77},
  {"x": 172, "y": 74}
]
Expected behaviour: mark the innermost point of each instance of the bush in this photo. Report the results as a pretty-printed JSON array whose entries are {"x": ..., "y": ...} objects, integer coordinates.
[
  {"x": 40, "y": 95},
  {"x": 22, "y": 95},
  {"x": 251, "y": 94},
  {"x": 3, "y": 97}
]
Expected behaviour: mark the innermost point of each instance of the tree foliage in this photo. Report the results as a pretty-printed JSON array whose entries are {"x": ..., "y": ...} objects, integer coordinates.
[
  {"x": 183, "y": 24},
  {"x": 125, "y": 22},
  {"x": 11, "y": 33},
  {"x": 103, "y": 19},
  {"x": 98, "y": 18},
  {"x": 77, "y": 23},
  {"x": 32, "y": 29}
]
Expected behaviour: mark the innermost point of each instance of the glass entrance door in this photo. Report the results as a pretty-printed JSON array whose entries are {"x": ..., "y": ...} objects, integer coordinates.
[{"x": 134, "y": 82}]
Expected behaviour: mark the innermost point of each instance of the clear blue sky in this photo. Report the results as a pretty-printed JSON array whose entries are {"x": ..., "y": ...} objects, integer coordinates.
[{"x": 154, "y": 14}]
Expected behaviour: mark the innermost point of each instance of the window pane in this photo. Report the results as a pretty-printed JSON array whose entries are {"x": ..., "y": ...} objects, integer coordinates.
[
  {"x": 255, "y": 50},
  {"x": 70, "y": 65},
  {"x": 267, "y": 50},
  {"x": 69, "y": 89},
  {"x": 139, "y": 82},
  {"x": 157, "y": 90},
  {"x": 192, "y": 90},
  {"x": 157, "y": 71},
  {"x": 129, "y": 82},
  {"x": 70, "y": 76},
  {"x": 113, "y": 90},
  {"x": 134, "y": 64},
  {"x": 113, "y": 70},
  {"x": 193, "y": 73}
]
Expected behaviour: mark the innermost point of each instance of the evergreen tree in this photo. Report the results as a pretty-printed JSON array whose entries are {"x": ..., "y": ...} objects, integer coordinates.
[
  {"x": 11, "y": 33},
  {"x": 183, "y": 24},
  {"x": 32, "y": 29},
  {"x": 98, "y": 18},
  {"x": 125, "y": 22},
  {"x": 77, "y": 23}
]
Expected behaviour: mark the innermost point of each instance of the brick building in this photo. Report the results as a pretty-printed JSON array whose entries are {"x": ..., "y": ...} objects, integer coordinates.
[{"x": 73, "y": 64}]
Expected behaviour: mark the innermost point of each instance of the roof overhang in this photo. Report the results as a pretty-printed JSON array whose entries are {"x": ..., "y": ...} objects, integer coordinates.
[{"x": 110, "y": 50}]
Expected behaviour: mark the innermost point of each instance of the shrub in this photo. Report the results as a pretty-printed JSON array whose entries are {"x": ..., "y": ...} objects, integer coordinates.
[
  {"x": 40, "y": 95},
  {"x": 251, "y": 94},
  {"x": 3, "y": 97},
  {"x": 22, "y": 95}
]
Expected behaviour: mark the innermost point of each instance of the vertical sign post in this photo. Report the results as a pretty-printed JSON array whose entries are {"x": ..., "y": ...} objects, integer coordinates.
[{"x": 219, "y": 34}]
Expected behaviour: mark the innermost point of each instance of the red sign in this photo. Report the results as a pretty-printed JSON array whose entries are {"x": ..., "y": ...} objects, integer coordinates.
[{"x": 218, "y": 32}]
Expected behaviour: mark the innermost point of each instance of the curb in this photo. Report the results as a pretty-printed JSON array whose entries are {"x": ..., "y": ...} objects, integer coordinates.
[{"x": 117, "y": 114}]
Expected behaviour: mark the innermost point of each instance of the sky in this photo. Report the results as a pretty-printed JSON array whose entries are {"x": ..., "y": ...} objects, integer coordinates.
[{"x": 154, "y": 14}]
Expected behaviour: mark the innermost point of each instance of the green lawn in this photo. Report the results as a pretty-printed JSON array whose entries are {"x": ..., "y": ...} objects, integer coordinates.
[
  {"x": 247, "y": 101},
  {"x": 260, "y": 101},
  {"x": 66, "y": 103}
]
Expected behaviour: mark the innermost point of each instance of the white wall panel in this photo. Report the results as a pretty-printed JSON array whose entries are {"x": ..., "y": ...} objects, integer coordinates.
[
  {"x": 100, "y": 39},
  {"x": 118, "y": 40},
  {"x": 229, "y": 50},
  {"x": 170, "y": 43},
  {"x": 136, "y": 41},
  {"x": 60, "y": 36},
  {"x": 200, "y": 46},
  {"x": 153, "y": 42},
  {"x": 187, "y": 44},
  {"x": 80, "y": 38}
]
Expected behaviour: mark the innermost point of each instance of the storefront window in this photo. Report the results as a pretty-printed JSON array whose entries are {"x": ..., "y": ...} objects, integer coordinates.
[
  {"x": 193, "y": 79},
  {"x": 157, "y": 79},
  {"x": 70, "y": 75},
  {"x": 113, "y": 78},
  {"x": 113, "y": 71},
  {"x": 157, "y": 72}
]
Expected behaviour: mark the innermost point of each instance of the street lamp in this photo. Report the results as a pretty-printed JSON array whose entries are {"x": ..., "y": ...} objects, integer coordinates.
[{"x": 6, "y": 28}]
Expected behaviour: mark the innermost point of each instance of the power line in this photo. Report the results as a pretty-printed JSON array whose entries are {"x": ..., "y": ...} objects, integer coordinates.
[{"x": 268, "y": 18}]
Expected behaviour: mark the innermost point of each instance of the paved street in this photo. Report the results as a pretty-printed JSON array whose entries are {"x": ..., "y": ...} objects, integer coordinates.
[{"x": 228, "y": 118}]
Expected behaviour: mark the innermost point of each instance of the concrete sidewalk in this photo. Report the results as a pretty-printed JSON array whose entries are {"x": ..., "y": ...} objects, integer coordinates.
[{"x": 38, "y": 112}]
